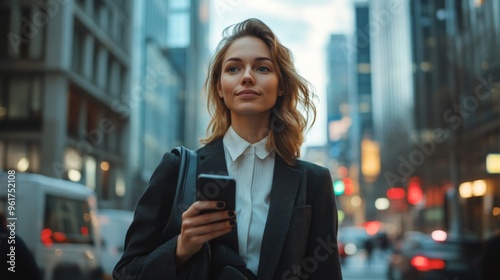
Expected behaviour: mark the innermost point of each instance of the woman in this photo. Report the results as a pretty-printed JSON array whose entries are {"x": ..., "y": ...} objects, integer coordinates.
[{"x": 285, "y": 212}]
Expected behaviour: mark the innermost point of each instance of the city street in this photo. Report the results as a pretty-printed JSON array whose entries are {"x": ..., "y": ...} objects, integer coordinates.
[
  {"x": 357, "y": 268},
  {"x": 365, "y": 128}
]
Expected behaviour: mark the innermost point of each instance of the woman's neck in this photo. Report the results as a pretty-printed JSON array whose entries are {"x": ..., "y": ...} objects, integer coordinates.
[{"x": 251, "y": 128}]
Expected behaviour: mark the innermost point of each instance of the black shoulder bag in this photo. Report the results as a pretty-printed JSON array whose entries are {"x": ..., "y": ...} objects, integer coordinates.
[{"x": 214, "y": 261}]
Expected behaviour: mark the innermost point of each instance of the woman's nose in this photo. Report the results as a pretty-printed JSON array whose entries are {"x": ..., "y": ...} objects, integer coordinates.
[{"x": 247, "y": 78}]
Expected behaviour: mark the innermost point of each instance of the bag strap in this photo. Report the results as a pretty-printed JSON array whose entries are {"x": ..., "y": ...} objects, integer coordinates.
[{"x": 185, "y": 193}]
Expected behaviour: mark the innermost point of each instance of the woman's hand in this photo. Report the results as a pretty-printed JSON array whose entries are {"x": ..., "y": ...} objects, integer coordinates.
[{"x": 199, "y": 228}]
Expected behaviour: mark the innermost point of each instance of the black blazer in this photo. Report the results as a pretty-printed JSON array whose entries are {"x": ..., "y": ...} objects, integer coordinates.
[{"x": 300, "y": 236}]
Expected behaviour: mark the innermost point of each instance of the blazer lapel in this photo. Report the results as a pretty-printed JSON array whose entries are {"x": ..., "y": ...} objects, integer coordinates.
[
  {"x": 211, "y": 159},
  {"x": 284, "y": 190}
]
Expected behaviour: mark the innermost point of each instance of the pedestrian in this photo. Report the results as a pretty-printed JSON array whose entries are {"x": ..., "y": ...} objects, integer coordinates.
[
  {"x": 286, "y": 214},
  {"x": 17, "y": 260},
  {"x": 490, "y": 260},
  {"x": 369, "y": 246},
  {"x": 383, "y": 241}
]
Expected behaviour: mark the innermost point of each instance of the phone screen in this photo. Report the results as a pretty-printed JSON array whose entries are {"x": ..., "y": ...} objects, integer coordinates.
[{"x": 217, "y": 188}]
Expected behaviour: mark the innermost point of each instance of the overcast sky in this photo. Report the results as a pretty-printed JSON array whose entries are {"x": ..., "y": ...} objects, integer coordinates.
[{"x": 302, "y": 26}]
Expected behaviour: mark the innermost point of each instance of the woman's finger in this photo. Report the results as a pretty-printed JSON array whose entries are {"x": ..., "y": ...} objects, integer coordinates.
[
  {"x": 199, "y": 206},
  {"x": 209, "y": 228}
]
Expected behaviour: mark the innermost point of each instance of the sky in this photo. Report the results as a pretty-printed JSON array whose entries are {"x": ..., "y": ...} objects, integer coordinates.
[{"x": 302, "y": 26}]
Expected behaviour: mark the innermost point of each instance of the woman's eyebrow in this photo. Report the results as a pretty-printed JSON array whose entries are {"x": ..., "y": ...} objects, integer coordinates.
[{"x": 260, "y": 58}]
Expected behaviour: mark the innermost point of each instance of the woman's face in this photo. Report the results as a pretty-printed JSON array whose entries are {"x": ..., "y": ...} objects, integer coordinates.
[{"x": 248, "y": 83}]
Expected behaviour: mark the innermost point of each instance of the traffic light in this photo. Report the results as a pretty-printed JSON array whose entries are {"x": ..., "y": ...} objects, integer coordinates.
[
  {"x": 396, "y": 193},
  {"x": 348, "y": 186},
  {"x": 415, "y": 194},
  {"x": 338, "y": 187}
]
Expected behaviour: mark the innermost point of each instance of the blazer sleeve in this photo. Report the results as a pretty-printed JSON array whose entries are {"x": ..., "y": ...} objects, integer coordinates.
[
  {"x": 147, "y": 252},
  {"x": 322, "y": 255}
]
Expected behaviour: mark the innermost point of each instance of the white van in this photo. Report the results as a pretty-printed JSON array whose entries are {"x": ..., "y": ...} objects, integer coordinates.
[
  {"x": 57, "y": 219},
  {"x": 114, "y": 224}
]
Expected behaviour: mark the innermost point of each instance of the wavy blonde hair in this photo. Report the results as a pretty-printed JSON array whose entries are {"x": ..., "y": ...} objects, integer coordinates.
[{"x": 286, "y": 124}]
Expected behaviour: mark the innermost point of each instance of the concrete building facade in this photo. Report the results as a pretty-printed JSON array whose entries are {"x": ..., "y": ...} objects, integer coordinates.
[{"x": 64, "y": 73}]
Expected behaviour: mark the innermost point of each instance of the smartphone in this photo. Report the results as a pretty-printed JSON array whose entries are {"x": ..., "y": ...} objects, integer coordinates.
[{"x": 217, "y": 188}]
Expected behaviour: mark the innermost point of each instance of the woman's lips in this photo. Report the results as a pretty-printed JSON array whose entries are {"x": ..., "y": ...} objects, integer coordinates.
[{"x": 248, "y": 93}]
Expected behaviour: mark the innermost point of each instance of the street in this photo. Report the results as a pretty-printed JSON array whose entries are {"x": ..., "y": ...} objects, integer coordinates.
[{"x": 357, "y": 268}]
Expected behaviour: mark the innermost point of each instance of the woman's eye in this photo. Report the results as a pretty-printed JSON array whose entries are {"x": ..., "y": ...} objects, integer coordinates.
[
  {"x": 232, "y": 69},
  {"x": 263, "y": 69}
]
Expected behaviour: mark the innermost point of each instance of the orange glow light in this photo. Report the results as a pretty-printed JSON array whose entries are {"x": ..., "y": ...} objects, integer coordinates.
[
  {"x": 372, "y": 227},
  {"x": 59, "y": 236}
]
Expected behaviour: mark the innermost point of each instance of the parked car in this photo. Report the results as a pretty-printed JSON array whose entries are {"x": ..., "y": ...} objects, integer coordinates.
[
  {"x": 57, "y": 220},
  {"x": 419, "y": 256},
  {"x": 352, "y": 239},
  {"x": 114, "y": 225}
]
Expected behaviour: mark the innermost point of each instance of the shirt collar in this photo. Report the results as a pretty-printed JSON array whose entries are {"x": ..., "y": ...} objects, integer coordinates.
[{"x": 236, "y": 145}]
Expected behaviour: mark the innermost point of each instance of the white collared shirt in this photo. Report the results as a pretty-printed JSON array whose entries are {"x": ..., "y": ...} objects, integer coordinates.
[{"x": 252, "y": 166}]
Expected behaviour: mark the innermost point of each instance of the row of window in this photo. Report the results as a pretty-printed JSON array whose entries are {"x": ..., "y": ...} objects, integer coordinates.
[
  {"x": 100, "y": 175},
  {"x": 112, "y": 16},
  {"x": 76, "y": 166},
  {"x": 97, "y": 64},
  {"x": 92, "y": 125},
  {"x": 23, "y": 30},
  {"x": 21, "y": 156}
]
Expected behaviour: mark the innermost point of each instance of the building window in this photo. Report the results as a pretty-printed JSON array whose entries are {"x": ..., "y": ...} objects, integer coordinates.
[
  {"x": 18, "y": 98},
  {"x": 102, "y": 13},
  {"x": 119, "y": 28},
  {"x": 93, "y": 134},
  {"x": 78, "y": 48},
  {"x": 73, "y": 163},
  {"x": 95, "y": 62},
  {"x": 22, "y": 48},
  {"x": 111, "y": 135},
  {"x": 90, "y": 172},
  {"x": 36, "y": 43},
  {"x": 74, "y": 101},
  {"x": 5, "y": 28},
  {"x": 110, "y": 80},
  {"x": 23, "y": 157},
  {"x": 123, "y": 82},
  {"x": 24, "y": 28},
  {"x": 100, "y": 66},
  {"x": 115, "y": 27},
  {"x": 21, "y": 98}
]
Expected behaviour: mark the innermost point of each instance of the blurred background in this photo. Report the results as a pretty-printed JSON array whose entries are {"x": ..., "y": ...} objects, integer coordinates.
[{"x": 96, "y": 91}]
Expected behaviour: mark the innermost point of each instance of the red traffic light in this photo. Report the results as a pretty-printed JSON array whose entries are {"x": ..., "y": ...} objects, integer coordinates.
[
  {"x": 395, "y": 193},
  {"x": 348, "y": 186},
  {"x": 415, "y": 194}
]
